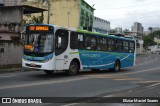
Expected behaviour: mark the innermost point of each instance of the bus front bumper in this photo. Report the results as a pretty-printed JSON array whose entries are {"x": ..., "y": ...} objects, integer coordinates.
[{"x": 49, "y": 65}]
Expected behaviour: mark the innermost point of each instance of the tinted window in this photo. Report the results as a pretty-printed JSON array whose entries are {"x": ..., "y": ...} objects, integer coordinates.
[
  {"x": 76, "y": 41},
  {"x": 102, "y": 44},
  {"x": 111, "y": 45},
  {"x": 125, "y": 46},
  {"x": 119, "y": 46},
  {"x": 61, "y": 41},
  {"x": 132, "y": 47},
  {"x": 90, "y": 42}
]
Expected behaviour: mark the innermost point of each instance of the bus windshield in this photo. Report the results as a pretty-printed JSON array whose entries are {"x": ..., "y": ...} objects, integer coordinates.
[{"x": 39, "y": 43}]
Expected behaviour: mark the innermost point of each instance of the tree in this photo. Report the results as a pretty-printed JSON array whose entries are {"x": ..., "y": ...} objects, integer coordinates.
[
  {"x": 149, "y": 40},
  {"x": 150, "y": 29}
]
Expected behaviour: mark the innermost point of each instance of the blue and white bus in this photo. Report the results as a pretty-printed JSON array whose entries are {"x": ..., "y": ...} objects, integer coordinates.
[{"x": 51, "y": 47}]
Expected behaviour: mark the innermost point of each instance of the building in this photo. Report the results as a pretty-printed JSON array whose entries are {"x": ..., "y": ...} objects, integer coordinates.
[
  {"x": 118, "y": 30},
  {"x": 157, "y": 39},
  {"x": 66, "y": 13},
  {"x": 155, "y": 29},
  {"x": 13, "y": 2},
  {"x": 138, "y": 28},
  {"x": 101, "y": 25},
  {"x": 11, "y": 26}
]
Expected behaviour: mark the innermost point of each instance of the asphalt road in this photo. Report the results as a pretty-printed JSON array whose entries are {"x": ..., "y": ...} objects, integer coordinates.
[{"x": 142, "y": 80}]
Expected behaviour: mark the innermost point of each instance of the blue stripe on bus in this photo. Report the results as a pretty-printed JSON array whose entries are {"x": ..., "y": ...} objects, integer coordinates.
[
  {"x": 104, "y": 60},
  {"x": 32, "y": 58}
]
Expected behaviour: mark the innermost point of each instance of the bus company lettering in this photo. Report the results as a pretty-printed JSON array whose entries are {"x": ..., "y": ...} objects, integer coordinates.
[{"x": 91, "y": 55}]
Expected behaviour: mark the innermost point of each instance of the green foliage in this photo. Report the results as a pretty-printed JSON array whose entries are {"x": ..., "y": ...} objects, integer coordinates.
[
  {"x": 155, "y": 33},
  {"x": 150, "y": 28},
  {"x": 149, "y": 40}
]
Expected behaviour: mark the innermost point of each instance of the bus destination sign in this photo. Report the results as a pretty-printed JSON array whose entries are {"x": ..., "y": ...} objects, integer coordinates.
[{"x": 38, "y": 28}]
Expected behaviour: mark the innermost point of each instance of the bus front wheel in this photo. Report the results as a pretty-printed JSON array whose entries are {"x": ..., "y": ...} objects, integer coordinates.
[
  {"x": 117, "y": 66},
  {"x": 73, "y": 68}
]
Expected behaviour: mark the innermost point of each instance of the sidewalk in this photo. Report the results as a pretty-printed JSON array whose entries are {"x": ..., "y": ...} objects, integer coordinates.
[{"x": 14, "y": 70}]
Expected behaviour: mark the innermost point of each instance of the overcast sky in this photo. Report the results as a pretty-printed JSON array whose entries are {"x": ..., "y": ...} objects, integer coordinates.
[{"x": 122, "y": 13}]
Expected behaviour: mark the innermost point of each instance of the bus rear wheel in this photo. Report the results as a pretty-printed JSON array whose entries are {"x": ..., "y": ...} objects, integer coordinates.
[
  {"x": 73, "y": 68},
  {"x": 117, "y": 66},
  {"x": 48, "y": 72}
]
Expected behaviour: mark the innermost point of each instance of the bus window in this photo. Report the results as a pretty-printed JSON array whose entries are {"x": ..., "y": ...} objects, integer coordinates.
[
  {"x": 125, "y": 46},
  {"x": 90, "y": 43},
  {"x": 111, "y": 45},
  {"x": 119, "y": 46},
  {"x": 132, "y": 47},
  {"x": 80, "y": 41},
  {"x": 76, "y": 41},
  {"x": 102, "y": 44},
  {"x": 61, "y": 41}
]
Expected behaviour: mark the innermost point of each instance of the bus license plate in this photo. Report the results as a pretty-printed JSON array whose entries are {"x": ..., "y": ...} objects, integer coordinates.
[{"x": 32, "y": 65}]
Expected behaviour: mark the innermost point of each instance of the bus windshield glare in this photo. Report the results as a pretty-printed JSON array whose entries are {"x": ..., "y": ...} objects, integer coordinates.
[{"x": 39, "y": 42}]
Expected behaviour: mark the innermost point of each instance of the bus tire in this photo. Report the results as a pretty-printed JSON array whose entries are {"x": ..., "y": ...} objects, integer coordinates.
[
  {"x": 117, "y": 66},
  {"x": 73, "y": 68},
  {"x": 48, "y": 72}
]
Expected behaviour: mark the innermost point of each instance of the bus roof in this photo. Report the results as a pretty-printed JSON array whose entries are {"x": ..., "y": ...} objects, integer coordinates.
[{"x": 100, "y": 34}]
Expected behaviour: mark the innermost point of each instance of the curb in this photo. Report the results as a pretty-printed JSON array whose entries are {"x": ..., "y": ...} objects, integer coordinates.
[{"x": 14, "y": 70}]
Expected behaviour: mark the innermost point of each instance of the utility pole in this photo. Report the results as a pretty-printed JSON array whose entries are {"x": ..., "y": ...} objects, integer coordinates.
[
  {"x": 157, "y": 42},
  {"x": 68, "y": 20},
  {"x": 49, "y": 7}
]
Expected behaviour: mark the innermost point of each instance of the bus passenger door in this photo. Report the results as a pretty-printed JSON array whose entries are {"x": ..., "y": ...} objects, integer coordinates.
[{"x": 61, "y": 44}]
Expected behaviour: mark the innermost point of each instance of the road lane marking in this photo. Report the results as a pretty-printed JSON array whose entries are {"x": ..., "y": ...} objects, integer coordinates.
[
  {"x": 130, "y": 91},
  {"x": 41, "y": 83},
  {"x": 139, "y": 71},
  {"x": 128, "y": 79},
  {"x": 147, "y": 62},
  {"x": 72, "y": 104},
  {"x": 108, "y": 96},
  {"x": 156, "y": 81},
  {"x": 118, "y": 75},
  {"x": 106, "y": 76},
  {"x": 153, "y": 85},
  {"x": 7, "y": 76}
]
